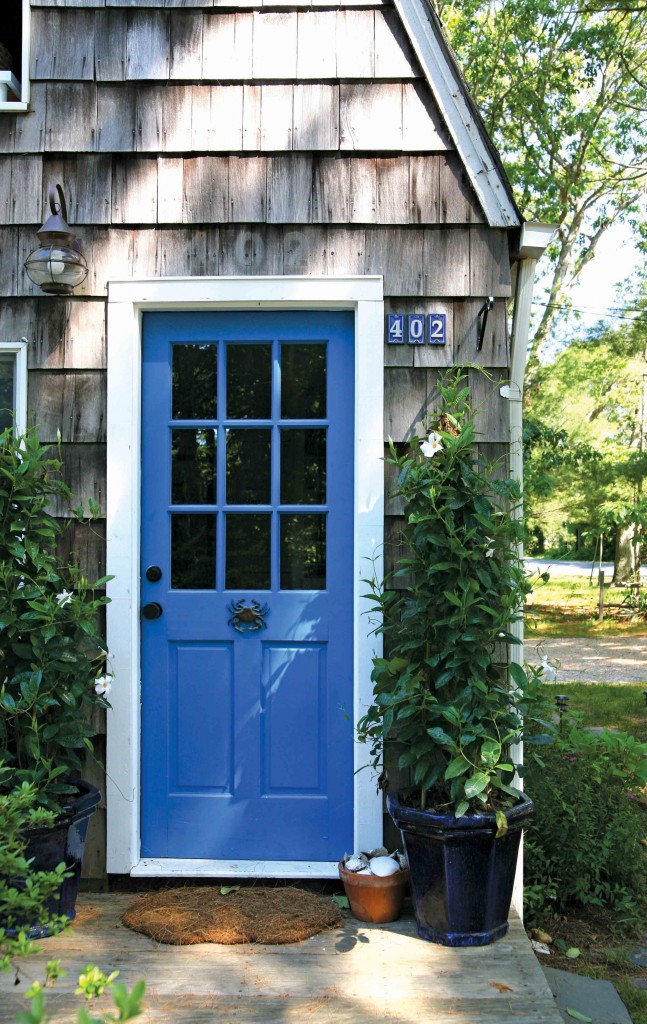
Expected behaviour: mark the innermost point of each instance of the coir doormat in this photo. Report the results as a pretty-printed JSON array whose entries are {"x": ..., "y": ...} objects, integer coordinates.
[{"x": 205, "y": 914}]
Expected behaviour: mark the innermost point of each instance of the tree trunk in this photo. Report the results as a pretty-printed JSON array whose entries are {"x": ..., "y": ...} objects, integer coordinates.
[{"x": 624, "y": 567}]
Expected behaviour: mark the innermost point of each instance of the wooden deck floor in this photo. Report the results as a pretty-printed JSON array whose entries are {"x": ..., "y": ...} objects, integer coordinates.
[{"x": 359, "y": 974}]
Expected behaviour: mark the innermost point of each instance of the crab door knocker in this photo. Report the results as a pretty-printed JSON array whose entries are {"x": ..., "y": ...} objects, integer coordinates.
[{"x": 248, "y": 618}]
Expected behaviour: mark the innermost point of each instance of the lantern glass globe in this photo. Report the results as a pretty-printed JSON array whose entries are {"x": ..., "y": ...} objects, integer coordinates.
[{"x": 56, "y": 269}]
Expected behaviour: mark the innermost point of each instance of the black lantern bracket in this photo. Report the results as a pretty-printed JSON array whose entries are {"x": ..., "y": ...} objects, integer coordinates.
[{"x": 482, "y": 316}]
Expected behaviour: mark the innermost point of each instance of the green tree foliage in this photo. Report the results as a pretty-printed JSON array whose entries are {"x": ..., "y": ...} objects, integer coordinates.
[
  {"x": 563, "y": 91},
  {"x": 589, "y": 473}
]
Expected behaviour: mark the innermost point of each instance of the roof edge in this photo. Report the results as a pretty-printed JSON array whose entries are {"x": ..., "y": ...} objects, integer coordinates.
[{"x": 464, "y": 122}]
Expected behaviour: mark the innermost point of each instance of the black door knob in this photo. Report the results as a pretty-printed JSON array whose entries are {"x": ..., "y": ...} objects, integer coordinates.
[
  {"x": 153, "y": 610},
  {"x": 153, "y": 574}
]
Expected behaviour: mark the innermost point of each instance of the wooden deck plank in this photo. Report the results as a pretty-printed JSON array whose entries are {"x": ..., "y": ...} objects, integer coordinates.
[
  {"x": 322, "y": 1010},
  {"x": 357, "y": 972}
]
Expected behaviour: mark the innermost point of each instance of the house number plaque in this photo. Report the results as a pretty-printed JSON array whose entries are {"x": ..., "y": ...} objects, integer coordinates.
[{"x": 416, "y": 328}]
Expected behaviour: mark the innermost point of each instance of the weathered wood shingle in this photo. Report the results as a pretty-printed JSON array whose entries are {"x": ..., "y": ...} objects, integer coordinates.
[{"x": 240, "y": 137}]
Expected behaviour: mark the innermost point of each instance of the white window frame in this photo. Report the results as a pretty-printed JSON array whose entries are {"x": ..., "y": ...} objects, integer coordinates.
[
  {"x": 7, "y": 79},
  {"x": 19, "y": 349},
  {"x": 127, "y": 301}
]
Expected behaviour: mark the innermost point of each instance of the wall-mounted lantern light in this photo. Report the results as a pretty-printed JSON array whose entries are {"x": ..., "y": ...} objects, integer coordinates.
[{"x": 56, "y": 266}]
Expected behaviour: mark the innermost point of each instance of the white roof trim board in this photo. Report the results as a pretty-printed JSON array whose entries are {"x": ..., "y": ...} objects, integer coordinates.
[{"x": 462, "y": 120}]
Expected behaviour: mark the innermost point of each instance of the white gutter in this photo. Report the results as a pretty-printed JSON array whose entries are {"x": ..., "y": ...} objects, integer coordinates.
[{"x": 534, "y": 240}]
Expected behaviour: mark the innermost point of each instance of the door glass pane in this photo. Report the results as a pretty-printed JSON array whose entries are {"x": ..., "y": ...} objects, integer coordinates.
[
  {"x": 7, "y": 396},
  {"x": 248, "y": 467},
  {"x": 303, "y": 382},
  {"x": 193, "y": 551},
  {"x": 193, "y": 467},
  {"x": 194, "y": 382},
  {"x": 249, "y": 382},
  {"x": 248, "y": 551},
  {"x": 303, "y": 552},
  {"x": 303, "y": 467}
]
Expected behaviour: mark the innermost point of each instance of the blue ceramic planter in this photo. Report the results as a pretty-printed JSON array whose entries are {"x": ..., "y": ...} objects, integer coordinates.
[
  {"x": 65, "y": 842},
  {"x": 461, "y": 876}
]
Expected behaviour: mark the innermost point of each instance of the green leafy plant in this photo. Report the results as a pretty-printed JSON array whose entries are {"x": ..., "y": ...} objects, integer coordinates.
[
  {"x": 586, "y": 843},
  {"x": 25, "y": 900},
  {"x": 439, "y": 693},
  {"x": 92, "y": 984},
  {"x": 52, "y": 655}
]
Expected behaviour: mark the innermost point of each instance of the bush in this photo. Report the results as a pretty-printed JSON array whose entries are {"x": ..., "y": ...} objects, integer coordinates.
[
  {"x": 52, "y": 654},
  {"x": 25, "y": 900},
  {"x": 585, "y": 845}
]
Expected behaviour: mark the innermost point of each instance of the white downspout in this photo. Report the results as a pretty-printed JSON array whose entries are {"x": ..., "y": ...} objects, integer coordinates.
[{"x": 534, "y": 240}]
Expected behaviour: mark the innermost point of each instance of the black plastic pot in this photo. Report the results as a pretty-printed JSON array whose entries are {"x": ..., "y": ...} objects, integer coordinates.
[
  {"x": 461, "y": 876},
  {"x": 65, "y": 842}
]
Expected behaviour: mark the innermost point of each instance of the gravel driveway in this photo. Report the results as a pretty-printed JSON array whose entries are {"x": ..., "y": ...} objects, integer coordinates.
[
  {"x": 618, "y": 659},
  {"x": 564, "y": 568}
]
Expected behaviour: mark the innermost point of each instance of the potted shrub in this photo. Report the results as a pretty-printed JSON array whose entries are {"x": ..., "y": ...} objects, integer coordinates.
[
  {"x": 52, "y": 660},
  {"x": 452, "y": 711}
]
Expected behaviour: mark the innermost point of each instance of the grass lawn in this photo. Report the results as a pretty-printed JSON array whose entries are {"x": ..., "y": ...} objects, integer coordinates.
[
  {"x": 568, "y": 606},
  {"x": 612, "y": 705}
]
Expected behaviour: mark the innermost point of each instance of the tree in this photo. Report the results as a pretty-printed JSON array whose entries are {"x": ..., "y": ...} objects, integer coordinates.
[
  {"x": 562, "y": 87},
  {"x": 591, "y": 474}
]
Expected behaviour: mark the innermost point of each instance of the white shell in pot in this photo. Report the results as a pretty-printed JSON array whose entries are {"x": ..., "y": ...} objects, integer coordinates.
[
  {"x": 356, "y": 863},
  {"x": 384, "y": 866}
]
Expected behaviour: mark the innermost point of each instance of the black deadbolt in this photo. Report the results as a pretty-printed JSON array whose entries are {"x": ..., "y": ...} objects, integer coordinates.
[
  {"x": 152, "y": 610},
  {"x": 153, "y": 574}
]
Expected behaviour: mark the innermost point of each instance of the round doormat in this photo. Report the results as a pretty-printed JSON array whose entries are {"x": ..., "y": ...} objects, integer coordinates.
[{"x": 255, "y": 914}]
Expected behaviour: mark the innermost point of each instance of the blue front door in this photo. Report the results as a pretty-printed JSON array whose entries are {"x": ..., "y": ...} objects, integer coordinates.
[{"x": 247, "y": 585}]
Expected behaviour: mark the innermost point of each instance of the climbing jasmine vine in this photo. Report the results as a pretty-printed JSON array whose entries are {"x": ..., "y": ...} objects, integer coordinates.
[{"x": 452, "y": 711}]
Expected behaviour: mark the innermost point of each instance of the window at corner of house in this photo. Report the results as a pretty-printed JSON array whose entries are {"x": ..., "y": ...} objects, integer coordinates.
[
  {"x": 12, "y": 387},
  {"x": 12, "y": 74}
]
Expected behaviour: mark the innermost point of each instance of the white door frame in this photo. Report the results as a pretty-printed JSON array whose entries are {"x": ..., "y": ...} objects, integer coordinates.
[{"x": 127, "y": 300}]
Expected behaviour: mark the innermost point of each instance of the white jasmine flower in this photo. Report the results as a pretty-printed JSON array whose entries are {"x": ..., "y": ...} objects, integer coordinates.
[
  {"x": 64, "y": 598},
  {"x": 490, "y": 551},
  {"x": 432, "y": 445},
  {"x": 548, "y": 671},
  {"x": 103, "y": 685}
]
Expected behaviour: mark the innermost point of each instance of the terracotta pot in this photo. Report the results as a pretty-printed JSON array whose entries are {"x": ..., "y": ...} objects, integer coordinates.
[{"x": 375, "y": 899}]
